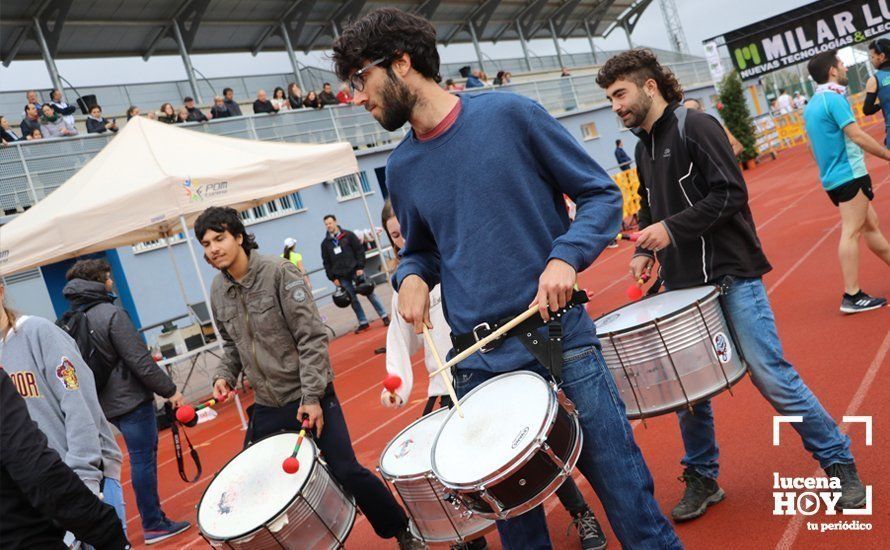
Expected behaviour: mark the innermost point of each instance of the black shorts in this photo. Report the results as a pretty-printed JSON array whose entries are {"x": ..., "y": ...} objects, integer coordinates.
[{"x": 848, "y": 191}]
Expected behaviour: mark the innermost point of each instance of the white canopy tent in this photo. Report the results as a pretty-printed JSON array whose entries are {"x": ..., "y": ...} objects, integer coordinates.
[{"x": 152, "y": 181}]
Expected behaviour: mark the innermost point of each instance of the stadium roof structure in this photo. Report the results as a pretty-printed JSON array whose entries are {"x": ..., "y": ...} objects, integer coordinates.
[{"x": 64, "y": 29}]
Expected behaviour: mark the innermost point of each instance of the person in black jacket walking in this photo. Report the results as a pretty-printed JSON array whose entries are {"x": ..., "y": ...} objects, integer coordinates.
[
  {"x": 128, "y": 396},
  {"x": 41, "y": 497},
  {"x": 344, "y": 262},
  {"x": 696, "y": 222}
]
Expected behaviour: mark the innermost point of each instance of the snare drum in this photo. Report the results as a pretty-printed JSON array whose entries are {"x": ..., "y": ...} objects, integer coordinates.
[
  {"x": 405, "y": 463},
  {"x": 517, "y": 443},
  {"x": 670, "y": 350},
  {"x": 253, "y": 503}
]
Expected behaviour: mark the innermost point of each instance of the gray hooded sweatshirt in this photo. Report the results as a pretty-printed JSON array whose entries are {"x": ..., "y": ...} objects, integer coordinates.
[{"x": 60, "y": 392}]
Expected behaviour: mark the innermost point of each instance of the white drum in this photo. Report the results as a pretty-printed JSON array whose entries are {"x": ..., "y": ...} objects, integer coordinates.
[
  {"x": 516, "y": 444},
  {"x": 670, "y": 350},
  {"x": 252, "y": 503},
  {"x": 406, "y": 464}
]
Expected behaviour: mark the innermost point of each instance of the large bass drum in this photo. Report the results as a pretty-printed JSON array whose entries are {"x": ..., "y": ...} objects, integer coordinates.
[
  {"x": 252, "y": 503},
  {"x": 670, "y": 350}
]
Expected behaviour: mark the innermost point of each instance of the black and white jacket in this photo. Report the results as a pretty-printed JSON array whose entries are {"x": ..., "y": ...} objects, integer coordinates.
[{"x": 690, "y": 181}]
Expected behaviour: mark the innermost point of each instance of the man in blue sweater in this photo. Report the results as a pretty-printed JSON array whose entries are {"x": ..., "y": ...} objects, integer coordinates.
[{"x": 499, "y": 243}]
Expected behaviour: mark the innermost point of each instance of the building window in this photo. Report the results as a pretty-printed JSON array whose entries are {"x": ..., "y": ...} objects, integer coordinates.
[
  {"x": 589, "y": 131},
  {"x": 347, "y": 189},
  {"x": 283, "y": 206}
]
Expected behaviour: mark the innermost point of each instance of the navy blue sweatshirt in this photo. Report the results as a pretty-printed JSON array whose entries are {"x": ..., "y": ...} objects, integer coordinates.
[{"x": 482, "y": 209}]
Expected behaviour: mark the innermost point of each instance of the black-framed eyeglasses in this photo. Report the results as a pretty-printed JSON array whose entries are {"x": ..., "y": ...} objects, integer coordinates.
[{"x": 357, "y": 80}]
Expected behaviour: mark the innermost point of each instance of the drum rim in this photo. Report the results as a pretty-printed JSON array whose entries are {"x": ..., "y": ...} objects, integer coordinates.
[
  {"x": 419, "y": 475},
  {"x": 522, "y": 458},
  {"x": 601, "y": 335},
  {"x": 290, "y": 502}
]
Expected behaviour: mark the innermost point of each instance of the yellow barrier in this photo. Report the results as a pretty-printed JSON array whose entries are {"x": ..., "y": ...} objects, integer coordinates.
[
  {"x": 856, "y": 101},
  {"x": 629, "y": 184}
]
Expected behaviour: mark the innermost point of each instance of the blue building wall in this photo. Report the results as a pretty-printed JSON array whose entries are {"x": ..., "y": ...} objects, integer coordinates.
[{"x": 150, "y": 278}]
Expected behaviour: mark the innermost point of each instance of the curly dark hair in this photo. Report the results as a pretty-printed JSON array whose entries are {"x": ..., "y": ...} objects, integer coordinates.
[
  {"x": 89, "y": 270},
  {"x": 387, "y": 33},
  {"x": 223, "y": 218},
  {"x": 638, "y": 66}
]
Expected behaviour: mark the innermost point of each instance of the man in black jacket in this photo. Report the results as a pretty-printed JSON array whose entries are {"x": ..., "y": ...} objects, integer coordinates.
[
  {"x": 195, "y": 114},
  {"x": 327, "y": 97},
  {"x": 343, "y": 257},
  {"x": 263, "y": 105},
  {"x": 128, "y": 396},
  {"x": 41, "y": 497},
  {"x": 231, "y": 104},
  {"x": 696, "y": 222}
]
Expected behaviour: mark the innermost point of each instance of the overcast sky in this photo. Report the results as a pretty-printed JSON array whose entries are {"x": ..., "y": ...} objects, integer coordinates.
[{"x": 701, "y": 19}]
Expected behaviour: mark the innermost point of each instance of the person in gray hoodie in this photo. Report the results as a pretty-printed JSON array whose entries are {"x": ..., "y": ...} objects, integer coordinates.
[
  {"x": 128, "y": 396},
  {"x": 60, "y": 393}
]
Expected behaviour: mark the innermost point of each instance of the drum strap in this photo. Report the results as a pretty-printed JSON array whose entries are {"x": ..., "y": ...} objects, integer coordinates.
[{"x": 177, "y": 446}]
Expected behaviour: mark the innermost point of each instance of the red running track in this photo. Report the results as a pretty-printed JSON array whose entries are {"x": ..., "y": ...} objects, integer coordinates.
[{"x": 843, "y": 359}]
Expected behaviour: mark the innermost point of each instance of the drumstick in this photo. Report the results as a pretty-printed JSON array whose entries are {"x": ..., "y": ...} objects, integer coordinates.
[
  {"x": 627, "y": 236},
  {"x": 634, "y": 291},
  {"x": 488, "y": 339},
  {"x": 448, "y": 385},
  {"x": 291, "y": 464},
  {"x": 187, "y": 414}
]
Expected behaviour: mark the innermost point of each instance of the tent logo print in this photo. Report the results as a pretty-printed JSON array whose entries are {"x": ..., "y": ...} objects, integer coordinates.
[
  {"x": 200, "y": 192},
  {"x": 193, "y": 193}
]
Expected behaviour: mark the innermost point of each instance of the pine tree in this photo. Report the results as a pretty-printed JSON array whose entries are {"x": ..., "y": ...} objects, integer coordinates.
[{"x": 734, "y": 112}]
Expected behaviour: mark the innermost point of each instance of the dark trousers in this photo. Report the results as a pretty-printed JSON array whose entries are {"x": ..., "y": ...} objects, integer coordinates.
[{"x": 371, "y": 495}]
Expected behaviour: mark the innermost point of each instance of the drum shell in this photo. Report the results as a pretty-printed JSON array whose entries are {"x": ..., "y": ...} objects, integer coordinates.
[
  {"x": 643, "y": 359},
  {"x": 533, "y": 476},
  {"x": 320, "y": 516}
]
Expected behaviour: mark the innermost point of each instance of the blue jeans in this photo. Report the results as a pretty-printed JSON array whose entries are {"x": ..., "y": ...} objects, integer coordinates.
[
  {"x": 349, "y": 285},
  {"x": 748, "y": 309},
  {"x": 140, "y": 430},
  {"x": 113, "y": 494},
  {"x": 610, "y": 459}
]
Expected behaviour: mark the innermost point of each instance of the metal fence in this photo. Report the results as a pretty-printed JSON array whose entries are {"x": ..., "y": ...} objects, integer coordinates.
[{"x": 29, "y": 171}]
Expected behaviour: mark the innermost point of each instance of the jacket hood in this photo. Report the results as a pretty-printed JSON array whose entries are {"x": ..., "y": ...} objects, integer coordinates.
[{"x": 82, "y": 292}]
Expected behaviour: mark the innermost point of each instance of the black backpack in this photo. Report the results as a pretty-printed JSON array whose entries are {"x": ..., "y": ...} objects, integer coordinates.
[{"x": 74, "y": 322}]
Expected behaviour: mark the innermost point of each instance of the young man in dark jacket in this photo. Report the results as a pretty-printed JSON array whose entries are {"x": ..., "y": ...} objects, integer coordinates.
[
  {"x": 41, "y": 497},
  {"x": 231, "y": 104},
  {"x": 343, "y": 257},
  {"x": 128, "y": 396},
  {"x": 696, "y": 222},
  {"x": 195, "y": 114},
  {"x": 271, "y": 331},
  {"x": 327, "y": 97}
]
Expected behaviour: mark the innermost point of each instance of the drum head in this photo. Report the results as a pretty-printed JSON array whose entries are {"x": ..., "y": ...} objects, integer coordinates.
[
  {"x": 501, "y": 418},
  {"x": 655, "y": 307},
  {"x": 253, "y": 489},
  {"x": 409, "y": 454}
]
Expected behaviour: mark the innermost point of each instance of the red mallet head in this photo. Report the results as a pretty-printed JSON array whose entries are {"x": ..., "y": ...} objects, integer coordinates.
[
  {"x": 634, "y": 292},
  {"x": 392, "y": 382},
  {"x": 290, "y": 465},
  {"x": 186, "y": 415}
]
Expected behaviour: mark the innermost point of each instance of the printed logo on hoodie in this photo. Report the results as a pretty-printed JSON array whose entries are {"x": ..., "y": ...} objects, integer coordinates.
[{"x": 66, "y": 373}]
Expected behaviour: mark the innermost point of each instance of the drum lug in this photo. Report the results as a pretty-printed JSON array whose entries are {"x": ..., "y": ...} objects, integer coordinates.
[
  {"x": 496, "y": 505},
  {"x": 560, "y": 463},
  {"x": 565, "y": 402}
]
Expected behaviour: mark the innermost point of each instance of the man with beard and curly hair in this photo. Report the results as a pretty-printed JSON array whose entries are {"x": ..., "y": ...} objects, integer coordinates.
[
  {"x": 696, "y": 222},
  {"x": 498, "y": 243}
]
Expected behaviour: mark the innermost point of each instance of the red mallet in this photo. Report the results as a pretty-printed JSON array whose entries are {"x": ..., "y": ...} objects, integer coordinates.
[
  {"x": 627, "y": 236},
  {"x": 291, "y": 465},
  {"x": 187, "y": 414},
  {"x": 635, "y": 291},
  {"x": 391, "y": 383}
]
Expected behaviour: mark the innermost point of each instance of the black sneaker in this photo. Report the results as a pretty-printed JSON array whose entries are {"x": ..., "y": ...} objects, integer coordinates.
[
  {"x": 861, "y": 302},
  {"x": 592, "y": 536},
  {"x": 361, "y": 328},
  {"x": 386, "y": 321},
  {"x": 475, "y": 544},
  {"x": 700, "y": 493},
  {"x": 408, "y": 541},
  {"x": 852, "y": 491}
]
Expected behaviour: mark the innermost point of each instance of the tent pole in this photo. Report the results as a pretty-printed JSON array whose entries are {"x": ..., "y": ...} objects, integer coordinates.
[
  {"x": 185, "y": 299},
  {"x": 188, "y": 240},
  {"x": 361, "y": 190}
]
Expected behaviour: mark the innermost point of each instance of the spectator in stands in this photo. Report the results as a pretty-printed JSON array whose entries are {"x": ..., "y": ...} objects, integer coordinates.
[
  {"x": 621, "y": 156},
  {"x": 151, "y": 115},
  {"x": 62, "y": 108},
  {"x": 168, "y": 114},
  {"x": 565, "y": 72},
  {"x": 128, "y": 398},
  {"x": 451, "y": 86},
  {"x": 34, "y": 98},
  {"x": 279, "y": 99},
  {"x": 194, "y": 114},
  {"x": 219, "y": 109},
  {"x": 36, "y": 134},
  {"x": 31, "y": 121},
  {"x": 784, "y": 102},
  {"x": 499, "y": 78},
  {"x": 483, "y": 76},
  {"x": 312, "y": 101},
  {"x": 508, "y": 77},
  {"x": 472, "y": 78},
  {"x": 231, "y": 104},
  {"x": 53, "y": 125},
  {"x": 182, "y": 116},
  {"x": 344, "y": 96},
  {"x": 7, "y": 136},
  {"x": 132, "y": 111},
  {"x": 294, "y": 96},
  {"x": 327, "y": 97},
  {"x": 97, "y": 124},
  {"x": 263, "y": 105}
]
